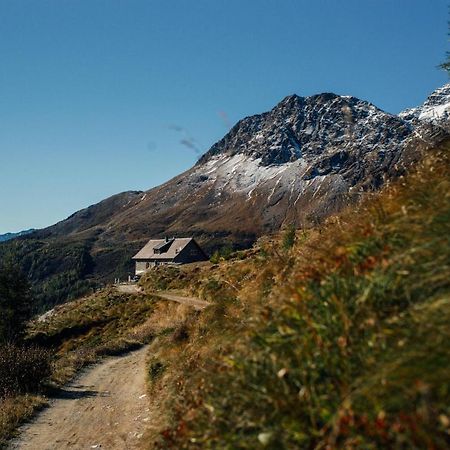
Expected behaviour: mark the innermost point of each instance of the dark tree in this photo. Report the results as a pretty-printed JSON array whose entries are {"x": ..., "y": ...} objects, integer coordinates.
[
  {"x": 15, "y": 303},
  {"x": 446, "y": 65}
]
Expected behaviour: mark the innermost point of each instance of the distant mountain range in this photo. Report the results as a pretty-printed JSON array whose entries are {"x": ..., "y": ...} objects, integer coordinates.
[
  {"x": 296, "y": 164},
  {"x": 9, "y": 236}
]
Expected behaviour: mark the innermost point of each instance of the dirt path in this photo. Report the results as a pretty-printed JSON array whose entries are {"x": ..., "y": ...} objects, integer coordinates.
[
  {"x": 129, "y": 288},
  {"x": 196, "y": 303},
  {"x": 106, "y": 407}
]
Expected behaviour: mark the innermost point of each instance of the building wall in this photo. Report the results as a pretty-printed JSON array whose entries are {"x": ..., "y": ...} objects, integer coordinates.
[
  {"x": 191, "y": 253},
  {"x": 143, "y": 266}
]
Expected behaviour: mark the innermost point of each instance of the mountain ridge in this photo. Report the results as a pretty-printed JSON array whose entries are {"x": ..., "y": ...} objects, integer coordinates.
[
  {"x": 283, "y": 116},
  {"x": 8, "y": 236},
  {"x": 298, "y": 163}
]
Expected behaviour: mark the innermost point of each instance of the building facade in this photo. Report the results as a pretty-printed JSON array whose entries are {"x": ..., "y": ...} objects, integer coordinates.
[{"x": 166, "y": 251}]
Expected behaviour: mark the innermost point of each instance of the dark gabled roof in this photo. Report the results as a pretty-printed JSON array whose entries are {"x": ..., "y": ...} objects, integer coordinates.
[{"x": 172, "y": 250}]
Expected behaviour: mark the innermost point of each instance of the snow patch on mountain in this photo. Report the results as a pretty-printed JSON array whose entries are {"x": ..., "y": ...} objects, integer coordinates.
[
  {"x": 435, "y": 109},
  {"x": 243, "y": 173}
]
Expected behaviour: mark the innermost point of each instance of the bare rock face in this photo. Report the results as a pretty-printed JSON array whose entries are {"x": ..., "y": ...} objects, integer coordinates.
[
  {"x": 308, "y": 127},
  {"x": 300, "y": 162}
]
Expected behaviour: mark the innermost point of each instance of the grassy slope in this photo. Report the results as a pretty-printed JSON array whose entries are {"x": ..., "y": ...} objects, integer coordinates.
[
  {"x": 15, "y": 411},
  {"x": 339, "y": 342},
  {"x": 80, "y": 333}
]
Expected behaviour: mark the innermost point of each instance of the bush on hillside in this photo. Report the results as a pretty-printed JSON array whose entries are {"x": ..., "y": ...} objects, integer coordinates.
[
  {"x": 22, "y": 369},
  {"x": 222, "y": 254}
]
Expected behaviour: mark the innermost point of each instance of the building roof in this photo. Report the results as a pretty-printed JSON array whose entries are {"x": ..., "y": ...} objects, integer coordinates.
[{"x": 167, "y": 251}]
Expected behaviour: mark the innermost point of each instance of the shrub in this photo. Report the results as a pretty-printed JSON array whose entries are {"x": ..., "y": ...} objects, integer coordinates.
[
  {"x": 223, "y": 254},
  {"x": 215, "y": 258},
  {"x": 289, "y": 237},
  {"x": 22, "y": 369},
  {"x": 226, "y": 252}
]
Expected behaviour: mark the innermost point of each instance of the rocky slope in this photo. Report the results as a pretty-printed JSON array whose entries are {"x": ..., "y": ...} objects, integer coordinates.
[{"x": 297, "y": 163}]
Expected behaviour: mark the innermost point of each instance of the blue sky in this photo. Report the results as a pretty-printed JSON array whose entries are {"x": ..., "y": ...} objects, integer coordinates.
[{"x": 103, "y": 96}]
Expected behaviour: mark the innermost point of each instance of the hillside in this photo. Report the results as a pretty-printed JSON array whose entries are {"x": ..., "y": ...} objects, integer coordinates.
[
  {"x": 300, "y": 162},
  {"x": 329, "y": 337},
  {"x": 338, "y": 340}
]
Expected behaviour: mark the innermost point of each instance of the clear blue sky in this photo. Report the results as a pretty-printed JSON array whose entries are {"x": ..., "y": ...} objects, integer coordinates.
[{"x": 97, "y": 95}]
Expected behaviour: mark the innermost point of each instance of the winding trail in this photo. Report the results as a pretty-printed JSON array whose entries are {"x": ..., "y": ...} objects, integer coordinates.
[
  {"x": 105, "y": 407},
  {"x": 195, "y": 302}
]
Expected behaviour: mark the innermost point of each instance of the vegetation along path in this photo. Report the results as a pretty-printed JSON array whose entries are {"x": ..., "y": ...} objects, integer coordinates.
[
  {"x": 106, "y": 407},
  {"x": 195, "y": 302}
]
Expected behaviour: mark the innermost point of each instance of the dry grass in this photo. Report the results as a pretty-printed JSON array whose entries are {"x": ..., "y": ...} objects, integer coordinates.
[
  {"x": 81, "y": 332},
  {"x": 22, "y": 369},
  {"x": 337, "y": 342},
  {"x": 15, "y": 411}
]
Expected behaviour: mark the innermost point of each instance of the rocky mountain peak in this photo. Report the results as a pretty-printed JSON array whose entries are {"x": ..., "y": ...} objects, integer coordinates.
[{"x": 308, "y": 126}]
